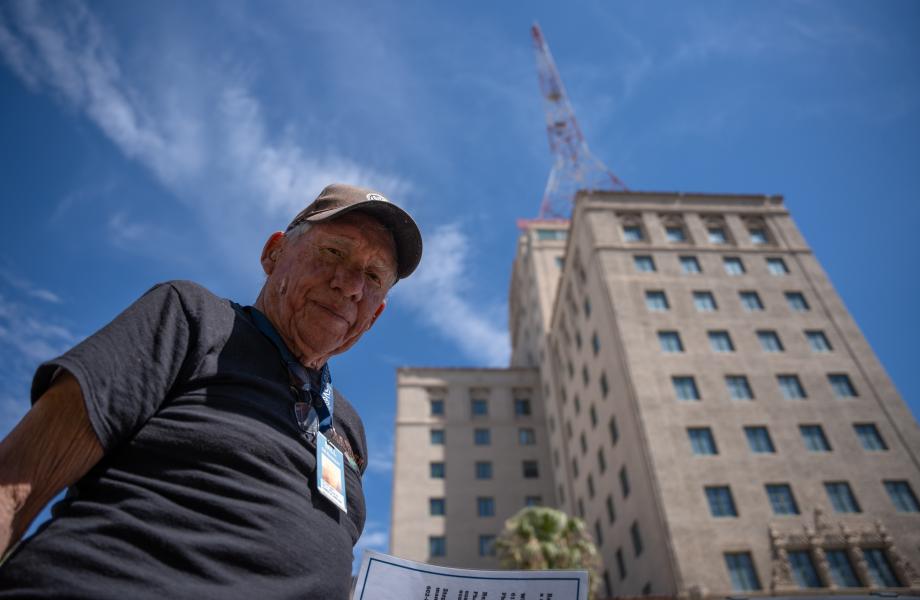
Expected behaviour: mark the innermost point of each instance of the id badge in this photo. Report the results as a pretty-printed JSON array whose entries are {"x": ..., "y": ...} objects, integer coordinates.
[{"x": 330, "y": 472}]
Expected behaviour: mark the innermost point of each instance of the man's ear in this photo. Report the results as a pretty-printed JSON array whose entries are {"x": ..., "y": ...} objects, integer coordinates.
[
  {"x": 379, "y": 310},
  {"x": 271, "y": 250}
]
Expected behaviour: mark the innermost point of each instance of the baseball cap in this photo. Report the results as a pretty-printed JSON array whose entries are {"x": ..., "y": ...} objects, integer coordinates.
[{"x": 338, "y": 199}]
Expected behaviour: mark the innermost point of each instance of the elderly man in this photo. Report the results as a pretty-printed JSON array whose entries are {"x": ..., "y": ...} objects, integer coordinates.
[{"x": 205, "y": 449}]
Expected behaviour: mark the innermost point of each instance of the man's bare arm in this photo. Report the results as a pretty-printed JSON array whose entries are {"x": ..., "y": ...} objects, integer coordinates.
[{"x": 52, "y": 447}]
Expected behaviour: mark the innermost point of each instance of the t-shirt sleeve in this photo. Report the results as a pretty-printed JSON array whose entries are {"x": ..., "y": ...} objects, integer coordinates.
[{"x": 127, "y": 368}]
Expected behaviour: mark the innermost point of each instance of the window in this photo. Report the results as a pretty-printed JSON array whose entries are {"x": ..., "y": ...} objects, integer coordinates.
[
  {"x": 587, "y": 306},
  {"x": 701, "y": 441},
  {"x": 758, "y": 236},
  {"x": 777, "y": 266},
  {"x": 656, "y": 301},
  {"x": 560, "y": 262},
  {"x": 721, "y": 503},
  {"x": 621, "y": 564},
  {"x": 584, "y": 442},
  {"x": 578, "y": 339},
  {"x": 584, "y": 374},
  {"x": 869, "y": 436},
  {"x": 437, "y": 437},
  {"x": 436, "y": 470},
  {"x": 803, "y": 569},
  {"x": 841, "y": 385},
  {"x": 880, "y": 571},
  {"x": 581, "y": 508},
  {"x": 482, "y": 436},
  {"x": 670, "y": 341},
  {"x": 483, "y": 469},
  {"x": 632, "y": 233},
  {"x": 738, "y": 387},
  {"x": 791, "y": 387},
  {"x": 690, "y": 265},
  {"x": 644, "y": 263},
  {"x": 818, "y": 341},
  {"x": 592, "y": 413},
  {"x": 530, "y": 469},
  {"x": 614, "y": 431},
  {"x": 750, "y": 300},
  {"x": 741, "y": 571},
  {"x": 487, "y": 545},
  {"x": 758, "y": 439},
  {"x": 608, "y": 588},
  {"x": 603, "y": 383},
  {"x": 479, "y": 407},
  {"x": 436, "y": 507},
  {"x": 601, "y": 461},
  {"x": 595, "y": 344},
  {"x": 733, "y": 265},
  {"x": 797, "y": 302},
  {"x": 551, "y": 234},
  {"x": 675, "y": 234},
  {"x": 685, "y": 388},
  {"x": 485, "y": 506},
  {"x": 769, "y": 341},
  {"x": 720, "y": 341},
  {"x": 813, "y": 436},
  {"x": 781, "y": 499},
  {"x": 840, "y": 568},
  {"x": 841, "y": 497},
  {"x": 717, "y": 235},
  {"x": 437, "y": 545},
  {"x": 902, "y": 496},
  {"x": 624, "y": 482},
  {"x": 533, "y": 501},
  {"x": 577, "y": 404},
  {"x": 647, "y": 589},
  {"x": 611, "y": 510},
  {"x": 636, "y": 538},
  {"x": 590, "y": 482},
  {"x": 527, "y": 436},
  {"x": 704, "y": 301},
  {"x": 436, "y": 408},
  {"x": 522, "y": 407}
]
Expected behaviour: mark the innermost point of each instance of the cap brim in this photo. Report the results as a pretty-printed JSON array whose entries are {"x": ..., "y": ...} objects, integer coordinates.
[{"x": 405, "y": 232}]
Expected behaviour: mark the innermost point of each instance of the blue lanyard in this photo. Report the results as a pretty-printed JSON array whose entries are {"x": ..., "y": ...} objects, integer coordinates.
[{"x": 322, "y": 401}]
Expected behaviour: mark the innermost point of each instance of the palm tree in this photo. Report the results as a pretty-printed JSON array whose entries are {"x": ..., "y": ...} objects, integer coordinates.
[{"x": 538, "y": 538}]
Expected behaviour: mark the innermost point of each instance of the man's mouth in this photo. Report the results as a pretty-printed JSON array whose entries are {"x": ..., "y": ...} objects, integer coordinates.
[{"x": 331, "y": 310}]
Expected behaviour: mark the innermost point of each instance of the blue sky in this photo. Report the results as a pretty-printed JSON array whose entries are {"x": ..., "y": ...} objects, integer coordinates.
[{"x": 163, "y": 140}]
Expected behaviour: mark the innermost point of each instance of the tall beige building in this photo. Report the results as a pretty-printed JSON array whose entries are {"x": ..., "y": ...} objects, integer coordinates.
[{"x": 696, "y": 392}]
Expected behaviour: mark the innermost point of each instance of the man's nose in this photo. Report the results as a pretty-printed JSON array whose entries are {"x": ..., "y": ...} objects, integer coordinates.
[{"x": 349, "y": 279}]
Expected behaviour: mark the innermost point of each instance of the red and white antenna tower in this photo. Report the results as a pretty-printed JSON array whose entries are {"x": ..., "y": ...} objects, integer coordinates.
[{"x": 575, "y": 168}]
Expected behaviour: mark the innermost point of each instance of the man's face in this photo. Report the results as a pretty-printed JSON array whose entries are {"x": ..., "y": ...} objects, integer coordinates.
[{"x": 326, "y": 287}]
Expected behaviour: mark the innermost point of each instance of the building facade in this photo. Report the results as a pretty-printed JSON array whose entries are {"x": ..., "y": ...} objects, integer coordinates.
[{"x": 702, "y": 399}]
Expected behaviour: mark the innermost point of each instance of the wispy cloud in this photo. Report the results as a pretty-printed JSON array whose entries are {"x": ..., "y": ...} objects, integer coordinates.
[
  {"x": 27, "y": 287},
  {"x": 375, "y": 537},
  {"x": 381, "y": 452},
  {"x": 440, "y": 292},
  {"x": 208, "y": 141}
]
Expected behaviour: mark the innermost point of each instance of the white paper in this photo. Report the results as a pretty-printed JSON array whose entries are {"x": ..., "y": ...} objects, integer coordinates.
[{"x": 384, "y": 577}]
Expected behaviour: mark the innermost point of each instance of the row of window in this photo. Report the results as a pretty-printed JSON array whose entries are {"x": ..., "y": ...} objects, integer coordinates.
[
  {"x": 839, "y": 572},
  {"x": 690, "y": 265},
  {"x": 720, "y": 341},
  {"x": 482, "y": 436},
  {"x": 703, "y": 443},
  {"x": 739, "y": 388},
  {"x": 479, "y": 407},
  {"x": 705, "y": 301},
  {"x": 676, "y": 233},
  {"x": 485, "y": 505},
  {"x": 483, "y": 469},
  {"x": 839, "y": 494},
  {"x": 437, "y": 545}
]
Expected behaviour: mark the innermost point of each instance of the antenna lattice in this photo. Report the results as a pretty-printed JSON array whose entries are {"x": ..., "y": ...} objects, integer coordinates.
[{"x": 575, "y": 168}]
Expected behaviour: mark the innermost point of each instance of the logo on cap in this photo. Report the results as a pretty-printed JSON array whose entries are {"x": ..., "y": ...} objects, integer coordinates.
[{"x": 376, "y": 198}]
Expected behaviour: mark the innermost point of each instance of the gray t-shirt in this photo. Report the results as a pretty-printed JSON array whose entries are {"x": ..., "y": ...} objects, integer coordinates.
[{"x": 207, "y": 487}]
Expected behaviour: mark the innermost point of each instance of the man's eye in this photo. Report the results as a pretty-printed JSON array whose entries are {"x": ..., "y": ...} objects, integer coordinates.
[
  {"x": 334, "y": 252},
  {"x": 374, "y": 277}
]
